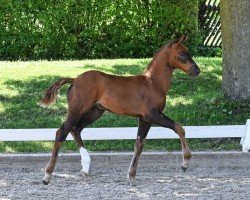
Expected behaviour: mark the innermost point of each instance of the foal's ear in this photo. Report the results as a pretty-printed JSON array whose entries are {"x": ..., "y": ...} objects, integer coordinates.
[{"x": 182, "y": 39}]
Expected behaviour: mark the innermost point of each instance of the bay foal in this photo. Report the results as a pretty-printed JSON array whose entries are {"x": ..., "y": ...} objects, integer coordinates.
[{"x": 142, "y": 96}]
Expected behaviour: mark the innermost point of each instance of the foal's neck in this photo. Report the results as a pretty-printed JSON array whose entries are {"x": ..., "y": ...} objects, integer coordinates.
[{"x": 160, "y": 71}]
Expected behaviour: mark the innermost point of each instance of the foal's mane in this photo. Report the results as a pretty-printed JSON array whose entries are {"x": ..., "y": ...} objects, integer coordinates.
[{"x": 167, "y": 45}]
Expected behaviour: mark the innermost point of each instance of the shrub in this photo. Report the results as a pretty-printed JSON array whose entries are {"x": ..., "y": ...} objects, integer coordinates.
[{"x": 73, "y": 29}]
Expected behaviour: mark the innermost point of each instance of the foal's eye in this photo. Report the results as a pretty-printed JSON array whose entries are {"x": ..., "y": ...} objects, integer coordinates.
[{"x": 183, "y": 57}]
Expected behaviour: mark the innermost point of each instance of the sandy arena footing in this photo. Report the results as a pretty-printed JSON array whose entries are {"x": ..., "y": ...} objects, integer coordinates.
[{"x": 212, "y": 175}]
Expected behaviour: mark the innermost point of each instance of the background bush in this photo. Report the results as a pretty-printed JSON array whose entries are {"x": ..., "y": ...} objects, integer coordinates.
[{"x": 77, "y": 29}]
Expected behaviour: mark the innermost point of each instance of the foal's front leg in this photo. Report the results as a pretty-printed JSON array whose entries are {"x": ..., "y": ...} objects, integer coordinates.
[
  {"x": 160, "y": 119},
  {"x": 143, "y": 129}
]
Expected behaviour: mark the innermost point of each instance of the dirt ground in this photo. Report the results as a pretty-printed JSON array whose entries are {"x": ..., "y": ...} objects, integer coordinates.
[{"x": 211, "y": 176}]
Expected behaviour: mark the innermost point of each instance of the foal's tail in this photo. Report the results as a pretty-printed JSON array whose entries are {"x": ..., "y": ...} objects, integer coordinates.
[{"x": 51, "y": 93}]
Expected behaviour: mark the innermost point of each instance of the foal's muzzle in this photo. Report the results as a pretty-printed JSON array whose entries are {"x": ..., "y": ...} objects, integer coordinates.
[{"x": 194, "y": 70}]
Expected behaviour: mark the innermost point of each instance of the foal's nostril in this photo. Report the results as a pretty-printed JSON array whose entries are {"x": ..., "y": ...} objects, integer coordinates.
[
  {"x": 194, "y": 70},
  {"x": 197, "y": 71}
]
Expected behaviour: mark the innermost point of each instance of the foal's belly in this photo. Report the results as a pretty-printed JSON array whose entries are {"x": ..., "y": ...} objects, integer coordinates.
[
  {"x": 120, "y": 107},
  {"x": 131, "y": 105}
]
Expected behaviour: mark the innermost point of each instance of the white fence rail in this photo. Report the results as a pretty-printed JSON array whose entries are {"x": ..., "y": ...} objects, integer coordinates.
[{"x": 229, "y": 131}]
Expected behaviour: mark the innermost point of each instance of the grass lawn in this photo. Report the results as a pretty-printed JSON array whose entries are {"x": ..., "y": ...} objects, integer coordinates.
[{"x": 190, "y": 101}]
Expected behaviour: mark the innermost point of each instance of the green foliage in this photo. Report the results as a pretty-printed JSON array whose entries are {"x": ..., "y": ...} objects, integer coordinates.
[
  {"x": 73, "y": 29},
  {"x": 209, "y": 51}
]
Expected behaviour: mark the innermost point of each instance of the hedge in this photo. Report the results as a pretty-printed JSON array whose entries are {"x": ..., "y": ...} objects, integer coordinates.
[{"x": 80, "y": 29}]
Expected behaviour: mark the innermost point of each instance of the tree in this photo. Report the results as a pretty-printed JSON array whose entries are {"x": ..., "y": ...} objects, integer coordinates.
[{"x": 235, "y": 21}]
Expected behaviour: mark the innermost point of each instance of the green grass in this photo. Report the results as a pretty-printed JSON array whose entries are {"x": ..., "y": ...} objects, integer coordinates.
[{"x": 190, "y": 101}]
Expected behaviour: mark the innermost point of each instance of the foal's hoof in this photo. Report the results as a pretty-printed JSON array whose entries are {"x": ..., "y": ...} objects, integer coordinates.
[
  {"x": 84, "y": 173},
  {"x": 132, "y": 181},
  {"x": 45, "y": 182},
  {"x": 184, "y": 167},
  {"x": 46, "y": 179}
]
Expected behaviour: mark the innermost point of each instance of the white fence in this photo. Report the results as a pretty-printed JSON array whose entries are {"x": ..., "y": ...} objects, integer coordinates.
[{"x": 229, "y": 131}]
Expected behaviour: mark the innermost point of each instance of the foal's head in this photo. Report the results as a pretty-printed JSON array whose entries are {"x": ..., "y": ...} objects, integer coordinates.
[{"x": 181, "y": 59}]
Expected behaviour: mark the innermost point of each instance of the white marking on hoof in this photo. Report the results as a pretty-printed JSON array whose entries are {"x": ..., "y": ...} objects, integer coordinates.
[
  {"x": 185, "y": 165},
  {"x": 131, "y": 180},
  {"x": 85, "y": 161},
  {"x": 46, "y": 178}
]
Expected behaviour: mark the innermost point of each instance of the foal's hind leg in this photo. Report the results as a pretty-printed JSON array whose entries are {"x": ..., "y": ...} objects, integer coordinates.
[
  {"x": 94, "y": 114},
  {"x": 143, "y": 129},
  {"x": 61, "y": 135},
  {"x": 160, "y": 119}
]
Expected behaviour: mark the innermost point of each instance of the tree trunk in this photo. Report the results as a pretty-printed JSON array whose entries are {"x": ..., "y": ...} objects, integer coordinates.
[{"x": 235, "y": 21}]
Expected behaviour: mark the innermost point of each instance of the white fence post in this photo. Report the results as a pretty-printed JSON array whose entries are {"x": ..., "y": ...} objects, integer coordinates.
[{"x": 246, "y": 140}]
